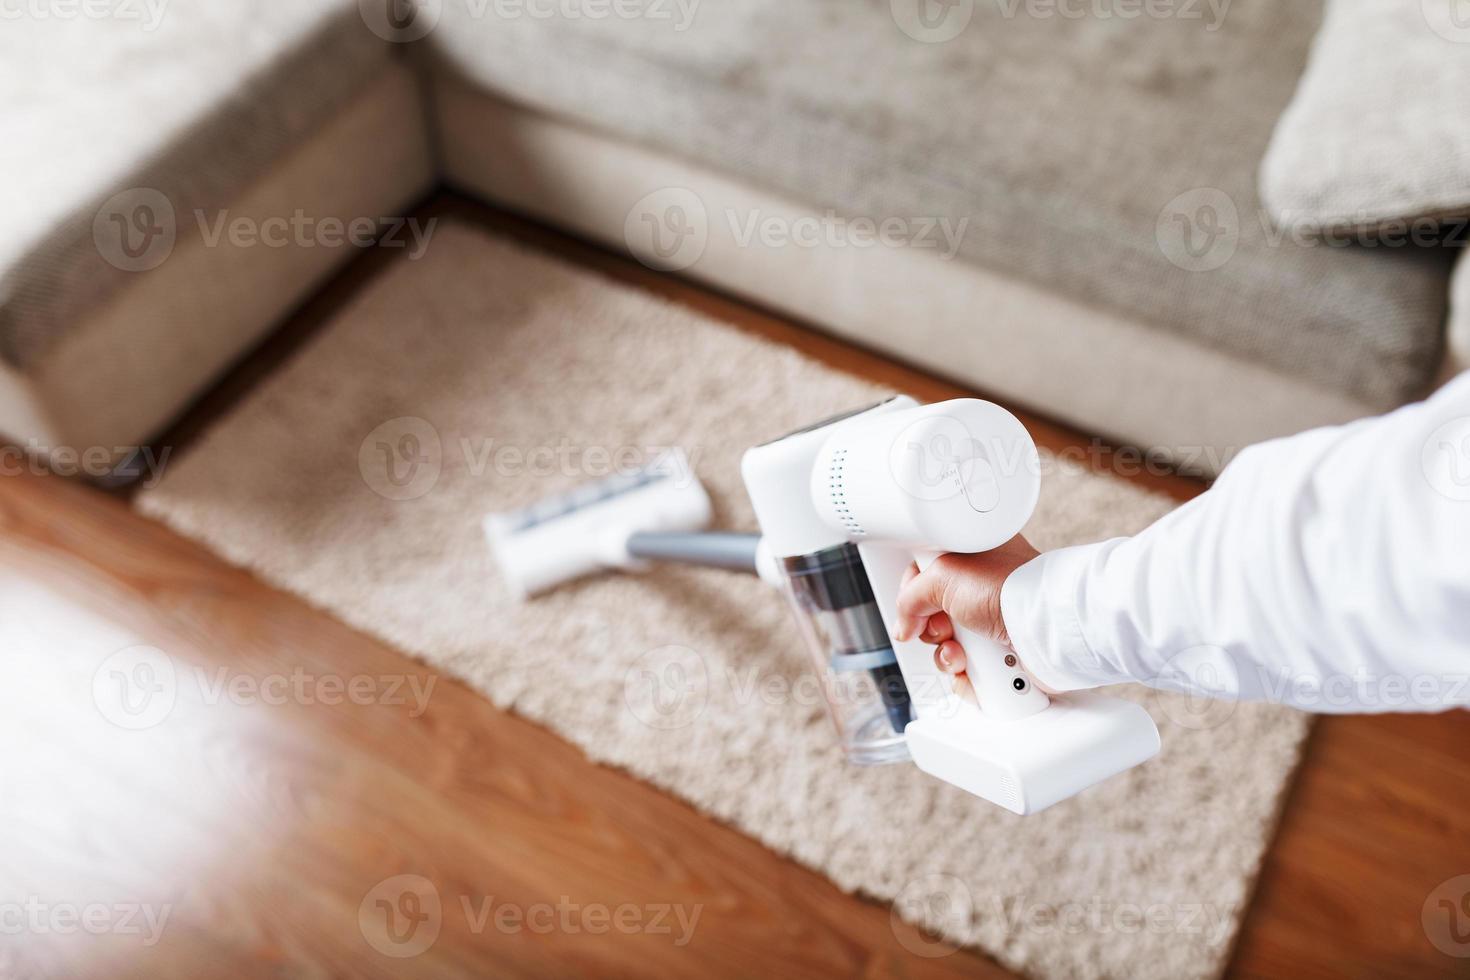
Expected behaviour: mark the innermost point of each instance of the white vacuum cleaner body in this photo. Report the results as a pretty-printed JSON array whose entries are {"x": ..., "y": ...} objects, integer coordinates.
[
  {"x": 900, "y": 483},
  {"x": 844, "y": 507}
]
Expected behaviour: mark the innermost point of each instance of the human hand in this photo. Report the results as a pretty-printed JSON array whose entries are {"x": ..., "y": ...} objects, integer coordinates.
[{"x": 963, "y": 589}]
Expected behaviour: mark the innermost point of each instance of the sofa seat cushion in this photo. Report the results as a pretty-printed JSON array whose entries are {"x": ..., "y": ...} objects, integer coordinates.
[
  {"x": 121, "y": 130},
  {"x": 1111, "y": 160}
]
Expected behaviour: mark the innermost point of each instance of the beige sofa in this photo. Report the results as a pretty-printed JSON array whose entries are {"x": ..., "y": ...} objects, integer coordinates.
[{"x": 1060, "y": 211}]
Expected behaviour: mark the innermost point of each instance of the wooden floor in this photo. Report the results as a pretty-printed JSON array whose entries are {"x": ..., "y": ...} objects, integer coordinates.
[{"x": 243, "y": 838}]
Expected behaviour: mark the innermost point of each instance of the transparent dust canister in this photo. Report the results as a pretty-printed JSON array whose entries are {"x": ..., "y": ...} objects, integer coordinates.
[{"x": 851, "y": 652}]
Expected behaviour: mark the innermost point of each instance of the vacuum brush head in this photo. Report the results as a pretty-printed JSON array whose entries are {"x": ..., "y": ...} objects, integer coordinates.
[{"x": 586, "y": 530}]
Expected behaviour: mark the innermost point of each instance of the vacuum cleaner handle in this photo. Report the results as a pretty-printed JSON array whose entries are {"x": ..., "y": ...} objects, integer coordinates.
[{"x": 1002, "y": 686}]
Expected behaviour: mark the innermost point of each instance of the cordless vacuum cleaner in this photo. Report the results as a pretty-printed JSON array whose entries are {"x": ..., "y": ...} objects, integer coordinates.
[{"x": 844, "y": 507}]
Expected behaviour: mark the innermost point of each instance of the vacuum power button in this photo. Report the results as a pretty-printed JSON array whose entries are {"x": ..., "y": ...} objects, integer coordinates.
[{"x": 982, "y": 489}]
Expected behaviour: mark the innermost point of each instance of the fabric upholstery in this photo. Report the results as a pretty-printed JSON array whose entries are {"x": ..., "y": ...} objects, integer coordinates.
[
  {"x": 1091, "y": 155},
  {"x": 1031, "y": 347},
  {"x": 126, "y": 368},
  {"x": 1379, "y": 129},
  {"x": 193, "y": 105}
]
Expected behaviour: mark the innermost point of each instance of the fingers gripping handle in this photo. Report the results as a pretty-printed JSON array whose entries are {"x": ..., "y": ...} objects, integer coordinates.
[{"x": 1003, "y": 688}]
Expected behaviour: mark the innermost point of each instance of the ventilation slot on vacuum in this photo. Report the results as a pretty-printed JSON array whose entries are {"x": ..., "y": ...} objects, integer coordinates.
[{"x": 838, "y": 489}]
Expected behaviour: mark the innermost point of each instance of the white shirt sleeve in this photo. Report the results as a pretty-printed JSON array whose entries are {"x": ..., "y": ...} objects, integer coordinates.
[{"x": 1329, "y": 571}]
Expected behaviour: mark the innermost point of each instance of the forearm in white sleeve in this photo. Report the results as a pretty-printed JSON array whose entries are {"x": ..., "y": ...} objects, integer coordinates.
[{"x": 1329, "y": 571}]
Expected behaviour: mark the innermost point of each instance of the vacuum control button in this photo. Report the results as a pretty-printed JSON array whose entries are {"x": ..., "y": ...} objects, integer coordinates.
[{"x": 982, "y": 489}]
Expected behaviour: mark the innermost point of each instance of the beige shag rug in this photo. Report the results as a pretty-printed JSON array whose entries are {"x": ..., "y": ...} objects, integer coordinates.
[{"x": 490, "y": 376}]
